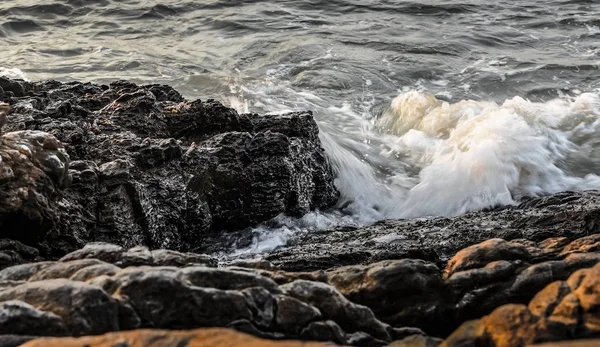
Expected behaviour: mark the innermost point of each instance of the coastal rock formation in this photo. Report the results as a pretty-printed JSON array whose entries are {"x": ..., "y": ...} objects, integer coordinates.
[
  {"x": 118, "y": 203},
  {"x": 140, "y": 165},
  {"x": 111, "y": 288}
]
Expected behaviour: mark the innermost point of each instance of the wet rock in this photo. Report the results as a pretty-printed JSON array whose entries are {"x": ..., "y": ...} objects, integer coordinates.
[
  {"x": 140, "y": 165},
  {"x": 559, "y": 218},
  {"x": 163, "y": 338}
]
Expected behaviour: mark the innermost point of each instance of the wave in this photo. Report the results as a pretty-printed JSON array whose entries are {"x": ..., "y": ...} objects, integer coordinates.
[
  {"x": 473, "y": 155},
  {"x": 426, "y": 157}
]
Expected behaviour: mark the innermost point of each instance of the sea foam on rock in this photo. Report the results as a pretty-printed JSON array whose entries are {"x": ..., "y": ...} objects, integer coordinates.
[{"x": 140, "y": 165}]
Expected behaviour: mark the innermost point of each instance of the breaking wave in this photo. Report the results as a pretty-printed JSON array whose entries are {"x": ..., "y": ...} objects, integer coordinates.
[{"x": 425, "y": 157}]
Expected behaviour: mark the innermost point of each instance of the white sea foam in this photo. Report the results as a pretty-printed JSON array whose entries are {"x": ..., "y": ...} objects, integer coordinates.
[
  {"x": 475, "y": 154},
  {"x": 13, "y": 73}
]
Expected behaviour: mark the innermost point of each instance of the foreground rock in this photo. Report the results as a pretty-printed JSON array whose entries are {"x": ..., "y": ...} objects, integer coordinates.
[
  {"x": 103, "y": 288},
  {"x": 158, "y": 338},
  {"x": 88, "y": 293},
  {"x": 561, "y": 311},
  {"x": 139, "y": 165}
]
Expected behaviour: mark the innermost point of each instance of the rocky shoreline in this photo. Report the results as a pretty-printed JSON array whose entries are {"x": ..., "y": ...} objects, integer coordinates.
[{"x": 114, "y": 198}]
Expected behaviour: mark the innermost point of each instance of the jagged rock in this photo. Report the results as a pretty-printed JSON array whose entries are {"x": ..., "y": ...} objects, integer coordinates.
[
  {"x": 142, "y": 166},
  {"x": 14, "y": 252},
  {"x": 33, "y": 169},
  {"x": 163, "y": 338}
]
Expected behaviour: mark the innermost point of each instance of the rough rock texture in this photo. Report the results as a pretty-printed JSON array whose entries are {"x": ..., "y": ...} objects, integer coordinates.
[
  {"x": 161, "y": 338},
  {"x": 563, "y": 310},
  {"x": 111, "y": 288},
  {"x": 82, "y": 165},
  {"x": 475, "y": 281},
  {"x": 89, "y": 293},
  {"x": 577, "y": 343},
  {"x": 139, "y": 165},
  {"x": 569, "y": 214}
]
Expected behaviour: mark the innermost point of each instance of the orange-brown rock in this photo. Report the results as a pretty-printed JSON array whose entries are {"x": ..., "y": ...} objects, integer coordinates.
[
  {"x": 563, "y": 310},
  {"x": 576, "y": 343},
  {"x": 165, "y": 338}
]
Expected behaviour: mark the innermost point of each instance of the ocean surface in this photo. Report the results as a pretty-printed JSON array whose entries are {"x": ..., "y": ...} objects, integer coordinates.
[{"x": 426, "y": 108}]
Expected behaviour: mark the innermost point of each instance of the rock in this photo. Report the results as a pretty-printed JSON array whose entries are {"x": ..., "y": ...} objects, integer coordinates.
[
  {"x": 578, "y": 343},
  {"x": 91, "y": 296},
  {"x": 562, "y": 310},
  {"x": 140, "y": 165},
  {"x": 4, "y": 111},
  {"x": 84, "y": 309},
  {"x": 405, "y": 292},
  {"x": 18, "y": 318},
  {"x": 476, "y": 281},
  {"x": 138, "y": 256},
  {"x": 33, "y": 169},
  {"x": 417, "y": 341},
  {"x": 293, "y": 314},
  {"x": 334, "y": 306},
  {"x": 166, "y": 338},
  {"x": 14, "y": 252},
  {"x": 562, "y": 217},
  {"x": 15, "y": 340}
]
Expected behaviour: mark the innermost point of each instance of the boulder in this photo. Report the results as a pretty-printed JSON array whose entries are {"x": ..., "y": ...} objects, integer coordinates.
[
  {"x": 166, "y": 338},
  {"x": 140, "y": 165}
]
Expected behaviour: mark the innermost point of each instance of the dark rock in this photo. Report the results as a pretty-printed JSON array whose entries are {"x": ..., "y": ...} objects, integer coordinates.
[
  {"x": 562, "y": 217},
  {"x": 18, "y": 318},
  {"x": 142, "y": 166},
  {"x": 84, "y": 309},
  {"x": 100, "y": 297},
  {"x": 404, "y": 292},
  {"x": 15, "y": 340},
  {"x": 332, "y": 305}
]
